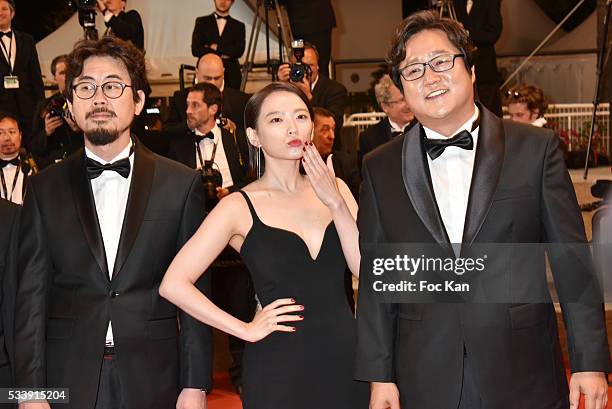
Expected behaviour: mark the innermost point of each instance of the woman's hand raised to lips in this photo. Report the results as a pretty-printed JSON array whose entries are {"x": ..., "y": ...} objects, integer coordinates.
[
  {"x": 322, "y": 177},
  {"x": 269, "y": 319}
]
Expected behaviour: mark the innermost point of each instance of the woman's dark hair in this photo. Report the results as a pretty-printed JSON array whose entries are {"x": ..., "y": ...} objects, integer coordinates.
[
  {"x": 253, "y": 109},
  {"x": 112, "y": 47},
  {"x": 427, "y": 20}
]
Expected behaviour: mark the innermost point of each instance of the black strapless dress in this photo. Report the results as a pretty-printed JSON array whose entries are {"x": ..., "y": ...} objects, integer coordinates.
[{"x": 311, "y": 368}]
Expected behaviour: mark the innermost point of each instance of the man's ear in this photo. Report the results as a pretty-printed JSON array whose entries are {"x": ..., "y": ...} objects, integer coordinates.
[
  {"x": 473, "y": 69},
  {"x": 140, "y": 104},
  {"x": 252, "y": 137},
  {"x": 213, "y": 109}
]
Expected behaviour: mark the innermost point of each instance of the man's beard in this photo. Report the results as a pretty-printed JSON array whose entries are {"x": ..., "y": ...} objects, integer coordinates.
[{"x": 101, "y": 136}]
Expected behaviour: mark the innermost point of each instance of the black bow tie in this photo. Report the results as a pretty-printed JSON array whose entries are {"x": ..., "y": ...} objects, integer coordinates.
[
  {"x": 95, "y": 168},
  {"x": 435, "y": 147},
  {"x": 220, "y": 17},
  {"x": 9, "y": 34},
  {"x": 14, "y": 162},
  {"x": 208, "y": 135}
]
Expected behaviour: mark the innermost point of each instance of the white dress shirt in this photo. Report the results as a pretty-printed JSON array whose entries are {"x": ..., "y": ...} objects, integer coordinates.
[
  {"x": 468, "y": 6},
  {"x": 9, "y": 45},
  {"x": 207, "y": 146},
  {"x": 451, "y": 177},
  {"x": 12, "y": 195},
  {"x": 110, "y": 191},
  {"x": 221, "y": 22}
]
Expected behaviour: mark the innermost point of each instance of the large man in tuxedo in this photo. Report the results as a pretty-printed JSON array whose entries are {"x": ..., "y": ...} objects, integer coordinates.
[
  {"x": 222, "y": 35},
  {"x": 494, "y": 182},
  {"x": 21, "y": 85},
  {"x": 209, "y": 68},
  {"x": 8, "y": 248},
  {"x": 89, "y": 316}
]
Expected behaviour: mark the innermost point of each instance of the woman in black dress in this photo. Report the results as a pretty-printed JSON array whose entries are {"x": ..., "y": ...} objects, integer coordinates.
[{"x": 296, "y": 233}]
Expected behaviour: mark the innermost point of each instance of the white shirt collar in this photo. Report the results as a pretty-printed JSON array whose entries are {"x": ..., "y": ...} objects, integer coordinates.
[
  {"x": 431, "y": 134},
  {"x": 396, "y": 127},
  {"x": 123, "y": 154},
  {"x": 314, "y": 83},
  {"x": 540, "y": 122}
]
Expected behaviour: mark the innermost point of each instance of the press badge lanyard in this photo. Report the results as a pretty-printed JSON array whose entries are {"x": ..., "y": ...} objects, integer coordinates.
[
  {"x": 212, "y": 157},
  {"x": 4, "y": 188},
  {"x": 8, "y": 53}
]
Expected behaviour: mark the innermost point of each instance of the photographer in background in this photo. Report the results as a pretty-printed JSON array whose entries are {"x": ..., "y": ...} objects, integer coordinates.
[
  {"x": 313, "y": 20},
  {"x": 321, "y": 91},
  {"x": 20, "y": 78},
  {"x": 55, "y": 135},
  {"x": 124, "y": 25},
  {"x": 222, "y": 157},
  {"x": 207, "y": 147}
]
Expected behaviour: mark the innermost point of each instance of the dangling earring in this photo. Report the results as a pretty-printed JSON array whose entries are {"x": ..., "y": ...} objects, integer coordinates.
[{"x": 258, "y": 162}]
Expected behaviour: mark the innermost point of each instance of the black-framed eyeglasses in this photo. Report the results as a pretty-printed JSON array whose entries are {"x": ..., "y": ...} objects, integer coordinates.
[
  {"x": 110, "y": 89},
  {"x": 440, "y": 63}
]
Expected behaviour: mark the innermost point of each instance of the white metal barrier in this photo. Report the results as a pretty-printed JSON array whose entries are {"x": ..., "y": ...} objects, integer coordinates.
[{"x": 571, "y": 122}]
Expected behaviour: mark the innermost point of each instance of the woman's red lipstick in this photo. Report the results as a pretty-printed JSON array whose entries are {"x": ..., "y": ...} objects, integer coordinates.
[{"x": 295, "y": 143}]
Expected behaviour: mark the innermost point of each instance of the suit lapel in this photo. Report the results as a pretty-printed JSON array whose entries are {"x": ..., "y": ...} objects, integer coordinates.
[
  {"x": 231, "y": 155},
  {"x": 488, "y": 163},
  {"x": 86, "y": 209},
  {"x": 140, "y": 188},
  {"x": 417, "y": 180},
  {"x": 213, "y": 28}
]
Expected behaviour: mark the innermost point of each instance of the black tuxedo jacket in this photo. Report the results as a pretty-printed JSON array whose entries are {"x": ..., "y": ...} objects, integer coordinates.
[
  {"x": 182, "y": 149},
  {"x": 233, "y": 103},
  {"x": 310, "y": 16},
  {"x": 8, "y": 248},
  {"x": 206, "y": 32},
  {"x": 22, "y": 102},
  {"x": 374, "y": 136},
  {"x": 331, "y": 95},
  {"x": 520, "y": 193},
  {"x": 485, "y": 26},
  {"x": 66, "y": 298},
  {"x": 128, "y": 27}
]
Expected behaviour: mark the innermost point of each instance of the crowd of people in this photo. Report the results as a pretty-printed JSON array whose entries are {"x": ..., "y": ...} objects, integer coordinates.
[{"x": 116, "y": 262}]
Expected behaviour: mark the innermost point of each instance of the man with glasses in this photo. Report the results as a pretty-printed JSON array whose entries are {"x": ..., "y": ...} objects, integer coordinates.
[
  {"x": 98, "y": 232},
  {"x": 460, "y": 178},
  {"x": 399, "y": 117}
]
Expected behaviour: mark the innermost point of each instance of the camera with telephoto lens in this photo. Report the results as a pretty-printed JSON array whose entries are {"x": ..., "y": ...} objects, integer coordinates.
[
  {"x": 58, "y": 106},
  {"x": 299, "y": 70},
  {"x": 87, "y": 17},
  {"x": 212, "y": 179}
]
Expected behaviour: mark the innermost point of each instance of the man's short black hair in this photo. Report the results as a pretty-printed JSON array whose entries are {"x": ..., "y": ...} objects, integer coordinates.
[
  {"x": 115, "y": 48},
  {"x": 210, "y": 94},
  {"x": 6, "y": 115},
  {"x": 422, "y": 21}
]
